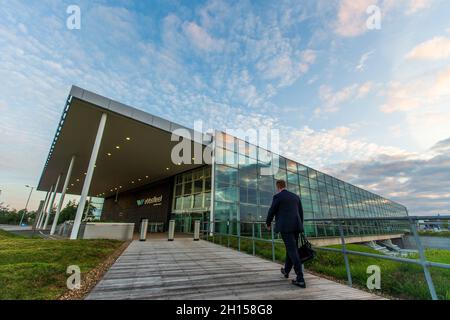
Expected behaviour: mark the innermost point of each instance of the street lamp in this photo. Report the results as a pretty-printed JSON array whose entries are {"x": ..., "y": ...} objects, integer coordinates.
[{"x": 26, "y": 206}]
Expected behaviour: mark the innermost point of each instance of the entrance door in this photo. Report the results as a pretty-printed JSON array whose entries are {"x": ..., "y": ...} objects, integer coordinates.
[{"x": 185, "y": 222}]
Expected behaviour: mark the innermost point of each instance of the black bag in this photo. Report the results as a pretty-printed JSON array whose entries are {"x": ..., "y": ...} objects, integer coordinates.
[{"x": 305, "y": 251}]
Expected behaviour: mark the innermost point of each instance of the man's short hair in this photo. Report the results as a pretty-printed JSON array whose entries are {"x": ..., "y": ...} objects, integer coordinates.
[{"x": 281, "y": 184}]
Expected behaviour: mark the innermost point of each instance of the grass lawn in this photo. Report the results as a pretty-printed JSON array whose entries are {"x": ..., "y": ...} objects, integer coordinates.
[
  {"x": 32, "y": 268},
  {"x": 443, "y": 234},
  {"x": 398, "y": 279}
]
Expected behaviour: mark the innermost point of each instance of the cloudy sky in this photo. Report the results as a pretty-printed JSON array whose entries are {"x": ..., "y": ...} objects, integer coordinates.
[{"x": 368, "y": 105}]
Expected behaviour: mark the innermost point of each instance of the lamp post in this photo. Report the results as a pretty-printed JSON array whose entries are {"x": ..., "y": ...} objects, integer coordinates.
[{"x": 26, "y": 206}]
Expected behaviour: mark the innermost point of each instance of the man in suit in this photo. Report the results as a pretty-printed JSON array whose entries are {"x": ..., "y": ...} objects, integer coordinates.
[{"x": 288, "y": 212}]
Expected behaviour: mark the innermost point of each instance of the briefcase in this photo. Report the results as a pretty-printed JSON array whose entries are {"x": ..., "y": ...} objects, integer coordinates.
[{"x": 306, "y": 252}]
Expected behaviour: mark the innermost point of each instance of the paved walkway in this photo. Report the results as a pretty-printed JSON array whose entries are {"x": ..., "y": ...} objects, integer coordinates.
[{"x": 186, "y": 269}]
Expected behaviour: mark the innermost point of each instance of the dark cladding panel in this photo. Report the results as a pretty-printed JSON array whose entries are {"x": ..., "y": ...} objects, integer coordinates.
[{"x": 152, "y": 202}]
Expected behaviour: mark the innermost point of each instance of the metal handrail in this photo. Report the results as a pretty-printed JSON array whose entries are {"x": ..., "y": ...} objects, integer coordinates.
[{"x": 209, "y": 227}]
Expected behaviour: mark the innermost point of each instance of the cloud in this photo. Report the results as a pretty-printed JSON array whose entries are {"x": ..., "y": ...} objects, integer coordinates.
[
  {"x": 423, "y": 101},
  {"x": 362, "y": 61},
  {"x": 351, "y": 17},
  {"x": 352, "y": 14},
  {"x": 408, "y": 179},
  {"x": 437, "y": 48},
  {"x": 332, "y": 100},
  {"x": 425, "y": 92},
  {"x": 323, "y": 147},
  {"x": 200, "y": 38},
  {"x": 417, "y": 5}
]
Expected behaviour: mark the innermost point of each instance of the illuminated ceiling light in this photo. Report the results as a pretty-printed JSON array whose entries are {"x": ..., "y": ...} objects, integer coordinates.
[
  {"x": 111, "y": 190},
  {"x": 146, "y": 177},
  {"x": 132, "y": 181},
  {"x": 109, "y": 154},
  {"x": 167, "y": 168},
  {"x": 115, "y": 188},
  {"x": 72, "y": 184},
  {"x": 128, "y": 138},
  {"x": 139, "y": 179},
  {"x": 120, "y": 187},
  {"x": 117, "y": 147},
  {"x": 78, "y": 180},
  {"x": 85, "y": 173}
]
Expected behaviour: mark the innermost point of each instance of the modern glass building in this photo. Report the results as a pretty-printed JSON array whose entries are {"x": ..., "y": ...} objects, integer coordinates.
[
  {"x": 242, "y": 193},
  {"x": 111, "y": 151}
]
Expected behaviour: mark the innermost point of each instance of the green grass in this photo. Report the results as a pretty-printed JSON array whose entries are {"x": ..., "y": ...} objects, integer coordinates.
[
  {"x": 33, "y": 268},
  {"x": 443, "y": 234},
  {"x": 398, "y": 279}
]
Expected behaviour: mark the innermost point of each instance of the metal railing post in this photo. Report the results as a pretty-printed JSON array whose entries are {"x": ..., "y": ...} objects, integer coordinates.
[
  {"x": 239, "y": 235},
  {"x": 273, "y": 243},
  {"x": 253, "y": 237},
  {"x": 423, "y": 261},
  {"x": 228, "y": 233},
  {"x": 344, "y": 252}
]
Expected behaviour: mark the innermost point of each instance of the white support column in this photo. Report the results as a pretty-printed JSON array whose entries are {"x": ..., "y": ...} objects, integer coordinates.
[
  {"x": 44, "y": 212},
  {"x": 38, "y": 217},
  {"x": 63, "y": 194},
  {"x": 89, "y": 174},
  {"x": 52, "y": 202},
  {"x": 213, "y": 188}
]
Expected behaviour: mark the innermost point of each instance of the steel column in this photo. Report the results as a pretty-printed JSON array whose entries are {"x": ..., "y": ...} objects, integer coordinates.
[
  {"x": 38, "y": 217},
  {"x": 423, "y": 261},
  {"x": 52, "y": 201},
  {"x": 89, "y": 174},
  {"x": 344, "y": 251},
  {"x": 63, "y": 194},
  {"x": 44, "y": 213}
]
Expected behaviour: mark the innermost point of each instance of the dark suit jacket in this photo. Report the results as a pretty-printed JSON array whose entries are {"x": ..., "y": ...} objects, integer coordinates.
[{"x": 288, "y": 212}]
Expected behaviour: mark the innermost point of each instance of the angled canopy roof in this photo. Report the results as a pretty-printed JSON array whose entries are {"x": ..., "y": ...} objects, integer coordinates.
[{"x": 135, "y": 148}]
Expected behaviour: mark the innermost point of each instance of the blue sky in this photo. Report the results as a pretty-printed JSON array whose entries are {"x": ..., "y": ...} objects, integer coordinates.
[{"x": 369, "y": 106}]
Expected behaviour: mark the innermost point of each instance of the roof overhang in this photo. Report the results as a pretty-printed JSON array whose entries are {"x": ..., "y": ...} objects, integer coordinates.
[{"x": 135, "y": 149}]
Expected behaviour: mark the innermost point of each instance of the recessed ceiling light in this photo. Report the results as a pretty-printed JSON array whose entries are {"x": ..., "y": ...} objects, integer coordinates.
[
  {"x": 72, "y": 184},
  {"x": 128, "y": 138},
  {"x": 78, "y": 180},
  {"x": 167, "y": 168},
  {"x": 109, "y": 154},
  {"x": 146, "y": 177},
  {"x": 132, "y": 181},
  {"x": 120, "y": 187},
  {"x": 117, "y": 147},
  {"x": 139, "y": 179}
]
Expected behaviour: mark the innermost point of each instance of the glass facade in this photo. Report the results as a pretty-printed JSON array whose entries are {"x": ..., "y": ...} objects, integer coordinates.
[
  {"x": 242, "y": 193},
  {"x": 191, "y": 198}
]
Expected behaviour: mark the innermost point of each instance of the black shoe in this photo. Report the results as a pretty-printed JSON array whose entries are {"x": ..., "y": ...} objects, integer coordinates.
[
  {"x": 299, "y": 282},
  {"x": 286, "y": 275}
]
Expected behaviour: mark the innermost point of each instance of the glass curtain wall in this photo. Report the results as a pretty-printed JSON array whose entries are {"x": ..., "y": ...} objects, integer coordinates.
[
  {"x": 244, "y": 194},
  {"x": 192, "y": 198}
]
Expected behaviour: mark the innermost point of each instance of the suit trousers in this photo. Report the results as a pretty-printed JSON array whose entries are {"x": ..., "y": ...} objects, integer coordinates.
[{"x": 292, "y": 258}]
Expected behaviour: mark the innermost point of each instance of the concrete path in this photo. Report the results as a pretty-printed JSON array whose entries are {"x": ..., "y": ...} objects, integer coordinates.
[{"x": 186, "y": 269}]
